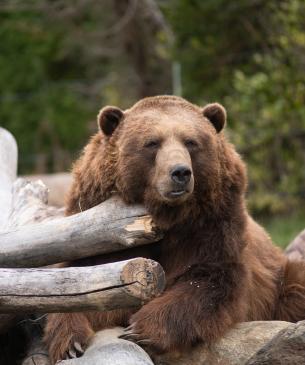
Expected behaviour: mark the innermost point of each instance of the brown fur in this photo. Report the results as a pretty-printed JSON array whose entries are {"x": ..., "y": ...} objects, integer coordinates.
[{"x": 221, "y": 267}]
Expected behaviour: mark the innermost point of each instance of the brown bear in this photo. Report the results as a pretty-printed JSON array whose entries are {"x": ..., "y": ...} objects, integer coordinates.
[{"x": 221, "y": 267}]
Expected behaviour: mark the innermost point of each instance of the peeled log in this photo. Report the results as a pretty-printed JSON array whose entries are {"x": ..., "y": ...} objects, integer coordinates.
[
  {"x": 108, "y": 227},
  {"x": 105, "y": 287},
  {"x": 8, "y": 170}
]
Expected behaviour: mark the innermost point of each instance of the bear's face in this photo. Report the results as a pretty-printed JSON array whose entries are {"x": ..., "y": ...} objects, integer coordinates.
[{"x": 167, "y": 149}]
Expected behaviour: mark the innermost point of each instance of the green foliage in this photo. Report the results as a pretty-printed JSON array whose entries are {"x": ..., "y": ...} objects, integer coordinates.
[
  {"x": 39, "y": 109},
  {"x": 250, "y": 55},
  {"x": 61, "y": 61},
  {"x": 284, "y": 228},
  {"x": 215, "y": 37},
  {"x": 268, "y": 112}
]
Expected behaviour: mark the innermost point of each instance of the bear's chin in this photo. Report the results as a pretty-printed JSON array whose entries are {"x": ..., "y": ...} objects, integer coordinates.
[{"x": 167, "y": 213}]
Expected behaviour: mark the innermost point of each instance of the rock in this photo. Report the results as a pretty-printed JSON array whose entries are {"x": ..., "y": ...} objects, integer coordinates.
[
  {"x": 107, "y": 349},
  {"x": 37, "y": 354},
  {"x": 235, "y": 348},
  {"x": 286, "y": 348}
]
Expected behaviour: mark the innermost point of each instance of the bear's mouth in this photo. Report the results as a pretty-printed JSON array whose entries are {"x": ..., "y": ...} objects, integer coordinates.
[{"x": 176, "y": 193}]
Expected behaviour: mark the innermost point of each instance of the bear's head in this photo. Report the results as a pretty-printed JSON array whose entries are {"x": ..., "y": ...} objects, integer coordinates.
[{"x": 172, "y": 156}]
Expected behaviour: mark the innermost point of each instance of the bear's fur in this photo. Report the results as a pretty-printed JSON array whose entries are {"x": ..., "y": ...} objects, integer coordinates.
[{"x": 221, "y": 267}]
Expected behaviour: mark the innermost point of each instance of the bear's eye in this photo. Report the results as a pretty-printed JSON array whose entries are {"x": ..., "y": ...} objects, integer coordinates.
[
  {"x": 190, "y": 143},
  {"x": 154, "y": 143}
]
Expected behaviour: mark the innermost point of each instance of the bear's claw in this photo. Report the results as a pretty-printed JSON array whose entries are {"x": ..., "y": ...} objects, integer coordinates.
[
  {"x": 132, "y": 336},
  {"x": 75, "y": 352}
]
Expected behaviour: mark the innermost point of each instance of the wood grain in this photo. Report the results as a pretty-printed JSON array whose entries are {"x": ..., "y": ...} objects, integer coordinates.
[{"x": 122, "y": 284}]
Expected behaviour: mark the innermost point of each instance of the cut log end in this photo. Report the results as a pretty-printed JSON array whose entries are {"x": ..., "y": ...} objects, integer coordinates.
[{"x": 148, "y": 277}]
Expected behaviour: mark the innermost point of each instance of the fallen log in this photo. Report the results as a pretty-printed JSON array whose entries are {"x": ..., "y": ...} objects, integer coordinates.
[
  {"x": 108, "y": 227},
  {"x": 105, "y": 287},
  {"x": 136, "y": 280},
  {"x": 8, "y": 170}
]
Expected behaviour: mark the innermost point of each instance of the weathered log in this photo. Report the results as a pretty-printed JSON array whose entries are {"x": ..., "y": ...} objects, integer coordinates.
[
  {"x": 105, "y": 287},
  {"x": 296, "y": 249},
  {"x": 58, "y": 185},
  {"x": 108, "y": 227},
  {"x": 30, "y": 205},
  {"x": 107, "y": 349},
  {"x": 8, "y": 170}
]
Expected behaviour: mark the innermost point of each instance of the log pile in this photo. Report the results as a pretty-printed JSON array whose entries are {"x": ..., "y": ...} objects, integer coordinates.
[{"x": 33, "y": 235}]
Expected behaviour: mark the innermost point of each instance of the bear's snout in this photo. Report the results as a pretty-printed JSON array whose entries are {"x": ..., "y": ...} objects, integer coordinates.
[
  {"x": 181, "y": 181},
  {"x": 181, "y": 175}
]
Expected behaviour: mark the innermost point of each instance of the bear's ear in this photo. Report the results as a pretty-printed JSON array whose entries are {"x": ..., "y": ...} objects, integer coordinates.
[
  {"x": 216, "y": 114},
  {"x": 109, "y": 118}
]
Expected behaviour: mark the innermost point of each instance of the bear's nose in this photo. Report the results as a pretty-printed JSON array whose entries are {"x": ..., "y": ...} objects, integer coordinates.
[{"x": 181, "y": 174}]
